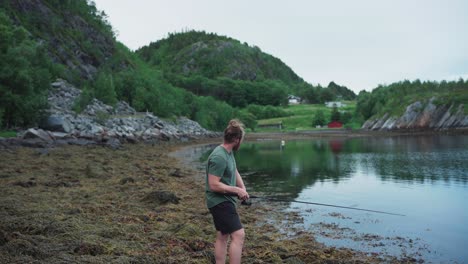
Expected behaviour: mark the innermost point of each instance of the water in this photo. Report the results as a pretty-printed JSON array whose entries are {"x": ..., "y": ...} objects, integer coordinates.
[{"x": 424, "y": 178}]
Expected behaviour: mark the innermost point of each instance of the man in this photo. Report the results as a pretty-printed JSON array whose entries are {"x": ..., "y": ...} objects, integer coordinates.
[{"x": 223, "y": 182}]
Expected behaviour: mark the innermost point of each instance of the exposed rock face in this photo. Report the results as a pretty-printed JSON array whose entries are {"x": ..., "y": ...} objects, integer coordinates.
[
  {"x": 422, "y": 116},
  {"x": 239, "y": 65},
  {"x": 64, "y": 49}
]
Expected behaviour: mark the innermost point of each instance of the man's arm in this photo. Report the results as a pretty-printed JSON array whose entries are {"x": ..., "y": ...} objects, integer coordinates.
[
  {"x": 217, "y": 186},
  {"x": 239, "y": 181},
  {"x": 240, "y": 184}
]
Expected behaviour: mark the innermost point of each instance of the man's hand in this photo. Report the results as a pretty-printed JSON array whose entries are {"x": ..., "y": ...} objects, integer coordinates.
[{"x": 242, "y": 194}]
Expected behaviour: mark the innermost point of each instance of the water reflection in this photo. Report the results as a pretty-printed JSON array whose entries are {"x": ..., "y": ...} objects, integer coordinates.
[
  {"x": 275, "y": 168},
  {"x": 424, "y": 178}
]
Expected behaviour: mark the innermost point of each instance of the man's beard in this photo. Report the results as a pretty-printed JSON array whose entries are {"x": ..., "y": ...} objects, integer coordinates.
[{"x": 236, "y": 147}]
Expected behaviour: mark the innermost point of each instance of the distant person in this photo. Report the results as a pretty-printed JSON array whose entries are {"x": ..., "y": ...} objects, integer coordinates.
[{"x": 223, "y": 183}]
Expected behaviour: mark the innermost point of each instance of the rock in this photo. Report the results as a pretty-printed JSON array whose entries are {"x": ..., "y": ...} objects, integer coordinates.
[
  {"x": 56, "y": 123},
  {"x": 32, "y": 143},
  {"x": 81, "y": 142},
  {"x": 113, "y": 143},
  {"x": 421, "y": 115},
  {"x": 39, "y": 133},
  {"x": 96, "y": 107},
  {"x": 97, "y": 125},
  {"x": 62, "y": 97},
  {"x": 123, "y": 108},
  {"x": 59, "y": 135}
]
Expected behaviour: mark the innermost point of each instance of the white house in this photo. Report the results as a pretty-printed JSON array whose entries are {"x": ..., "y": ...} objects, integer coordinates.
[
  {"x": 337, "y": 104},
  {"x": 292, "y": 99}
]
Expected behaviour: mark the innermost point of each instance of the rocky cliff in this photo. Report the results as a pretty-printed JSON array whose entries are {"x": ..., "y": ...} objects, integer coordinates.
[
  {"x": 422, "y": 115},
  {"x": 74, "y": 34}
]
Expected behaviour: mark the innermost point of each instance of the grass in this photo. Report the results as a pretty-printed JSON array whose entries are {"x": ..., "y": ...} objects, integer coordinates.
[
  {"x": 303, "y": 116},
  {"x": 7, "y": 134}
]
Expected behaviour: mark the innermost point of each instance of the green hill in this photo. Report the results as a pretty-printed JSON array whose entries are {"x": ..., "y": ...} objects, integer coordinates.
[
  {"x": 239, "y": 74},
  {"x": 213, "y": 56},
  {"x": 208, "y": 64}
]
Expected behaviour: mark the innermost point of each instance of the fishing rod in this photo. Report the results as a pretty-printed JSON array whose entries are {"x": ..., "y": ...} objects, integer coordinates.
[{"x": 321, "y": 204}]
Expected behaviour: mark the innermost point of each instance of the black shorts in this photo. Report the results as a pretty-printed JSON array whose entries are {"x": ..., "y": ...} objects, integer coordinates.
[{"x": 225, "y": 218}]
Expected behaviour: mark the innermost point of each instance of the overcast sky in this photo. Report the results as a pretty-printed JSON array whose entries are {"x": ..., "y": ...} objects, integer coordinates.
[{"x": 358, "y": 43}]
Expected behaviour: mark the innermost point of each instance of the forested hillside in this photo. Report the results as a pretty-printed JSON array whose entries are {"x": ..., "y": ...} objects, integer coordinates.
[
  {"x": 209, "y": 64},
  {"x": 205, "y": 77}
]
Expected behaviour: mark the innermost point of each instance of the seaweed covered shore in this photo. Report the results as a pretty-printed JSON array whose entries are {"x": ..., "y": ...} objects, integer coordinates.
[{"x": 136, "y": 204}]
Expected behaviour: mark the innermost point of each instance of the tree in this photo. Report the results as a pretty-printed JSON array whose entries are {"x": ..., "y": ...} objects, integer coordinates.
[
  {"x": 326, "y": 95},
  {"x": 25, "y": 73},
  {"x": 319, "y": 118},
  {"x": 104, "y": 88},
  {"x": 336, "y": 115},
  {"x": 346, "y": 117},
  {"x": 248, "y": 119}
]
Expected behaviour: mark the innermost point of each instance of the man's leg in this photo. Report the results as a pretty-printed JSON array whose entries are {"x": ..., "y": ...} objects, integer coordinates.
[
  {"x": 221, "y": 247},
  {"x": 235, "y": 249}
]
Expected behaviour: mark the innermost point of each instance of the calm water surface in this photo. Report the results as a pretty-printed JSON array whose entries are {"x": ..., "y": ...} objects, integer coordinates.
[{"x": 424, "y": 178}]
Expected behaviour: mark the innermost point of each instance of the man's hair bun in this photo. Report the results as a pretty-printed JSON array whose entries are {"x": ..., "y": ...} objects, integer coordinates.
[{"x": 234, "y": 130}]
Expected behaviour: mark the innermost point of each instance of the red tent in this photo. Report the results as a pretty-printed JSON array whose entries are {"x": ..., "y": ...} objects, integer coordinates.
[{"x": 335, "y": 124}]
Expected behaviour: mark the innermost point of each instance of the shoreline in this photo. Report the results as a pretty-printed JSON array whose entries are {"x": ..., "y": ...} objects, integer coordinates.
[
  {"x": 285, "y": 224},
  {"x": 136, "y": 204}
]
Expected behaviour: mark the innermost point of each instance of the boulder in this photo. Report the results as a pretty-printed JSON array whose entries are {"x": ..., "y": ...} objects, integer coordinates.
[
  {"x": 38, "y": 133},
  {"x": 56, "y": 123}
]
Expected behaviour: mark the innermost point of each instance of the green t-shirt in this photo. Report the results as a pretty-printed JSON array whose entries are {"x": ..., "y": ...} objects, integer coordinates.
[{"x": 222, "y": 164}]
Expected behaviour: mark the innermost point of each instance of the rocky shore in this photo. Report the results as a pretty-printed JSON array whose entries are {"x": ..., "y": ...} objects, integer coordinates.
[{"x": 101, "y": 124}]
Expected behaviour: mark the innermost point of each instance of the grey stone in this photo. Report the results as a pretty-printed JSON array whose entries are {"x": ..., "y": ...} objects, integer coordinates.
[
  {"x": 422, "y": 115},
  {"x": 56, "y": 123},
  {"x": 39, "y": 133}
]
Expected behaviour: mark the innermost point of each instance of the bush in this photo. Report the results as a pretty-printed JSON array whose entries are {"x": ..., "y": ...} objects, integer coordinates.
[
  {"x": 248, "y": 119},
  {"x": 266, "y": 112},
  {"x": 25, "y": 76}
]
